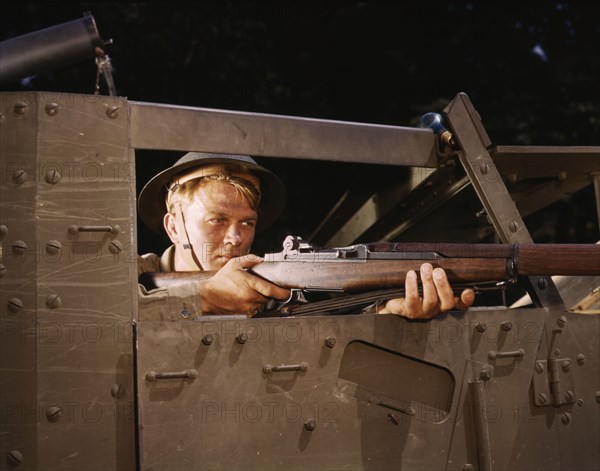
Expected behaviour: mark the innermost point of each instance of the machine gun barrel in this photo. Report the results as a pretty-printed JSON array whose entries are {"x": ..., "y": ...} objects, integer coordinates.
[
  {"x": 49, "y": 48},
  {"x": 384, "y": 265}
]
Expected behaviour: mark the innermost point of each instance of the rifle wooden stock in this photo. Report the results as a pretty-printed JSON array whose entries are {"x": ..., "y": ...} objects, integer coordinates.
[{"x": 463, "y": 263}]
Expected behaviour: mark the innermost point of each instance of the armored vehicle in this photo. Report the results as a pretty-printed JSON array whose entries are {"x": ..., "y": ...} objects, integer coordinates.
[{"x": 87, "y": 382}]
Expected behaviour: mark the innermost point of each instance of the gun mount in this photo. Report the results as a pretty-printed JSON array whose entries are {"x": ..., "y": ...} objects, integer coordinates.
[{"x": 88, "y": 380}]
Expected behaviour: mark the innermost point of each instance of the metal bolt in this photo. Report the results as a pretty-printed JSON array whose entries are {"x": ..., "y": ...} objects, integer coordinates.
[
  {"x": 242, "y": 337},
  {"x": 581, "y": 358},
  {"x": 561, "y": 321},
  {"x": 53, "y": 413},
  {"x": 15, "y": 305},
  {"x": 481, "y": 327},
  {"x": 542, "y": 398},
  {"x": 3, "y": 230},
  {"x": 52, "y": 109},
  {"x": 542, "y": 283},
  {"x": 512, "y": 177},
  {"x": 20, "y": 108},
  {"x": 579, "y": 402},
  {"x": 566, "y": 365},
  {"x": 53, "y": 247},
  {"x": 185, "y": 313},
  {"x": 19, "y": 176},
  {"x": 598, "y": 397},
  {"x": 556, "y": 352},
  {"x": 330, "y": 342},
  {"x": 569, "y": 396},
  {"x": 52, "y": 176},
  {"x": 513, "y": 226},
  {"x": 566, "y": 418},
  {"x": 562, "y": 175},
  {"x": 14, "y": 458},
  {"x": 19, "y": 247},
  {"x": 115, "y": 247},
  {"x": 506, "y": 326},
  {"x": 207, "y": 339},
  {"x": 2, "y": 270},
  {"x": 485, "y": 375},
  {"x": 310, "y": 425},
  {"x": 53, "y": 301},
  {"x": 112, "y": 112},
  {"x": 2, "y": 118},
  {"x": 468, "y": 467},
  {"x": 539, "y": 367},
  {"x": 117, "y": 390},
  {"x": 484, "y": 168}
]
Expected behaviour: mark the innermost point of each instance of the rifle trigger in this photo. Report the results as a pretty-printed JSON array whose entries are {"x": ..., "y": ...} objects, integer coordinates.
[{"x": 296, "y": 296}]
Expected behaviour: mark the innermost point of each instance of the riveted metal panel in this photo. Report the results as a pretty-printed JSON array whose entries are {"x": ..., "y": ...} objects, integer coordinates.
[
  {"x": 82, "y": 219},
  {"x": 375, "y": 392}
]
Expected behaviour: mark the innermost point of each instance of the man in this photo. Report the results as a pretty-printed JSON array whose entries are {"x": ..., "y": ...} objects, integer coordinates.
[{"x": 211, "y": 206}]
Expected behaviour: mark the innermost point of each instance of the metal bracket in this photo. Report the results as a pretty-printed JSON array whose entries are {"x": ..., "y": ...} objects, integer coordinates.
[{"x": 489, "y": 186}]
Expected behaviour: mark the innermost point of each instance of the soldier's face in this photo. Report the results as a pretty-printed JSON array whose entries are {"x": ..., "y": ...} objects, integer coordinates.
[{"x": 220, "y": 225}]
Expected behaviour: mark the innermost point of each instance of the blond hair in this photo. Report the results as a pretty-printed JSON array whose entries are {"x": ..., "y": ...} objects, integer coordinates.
[{"x": 183, "y": 194}]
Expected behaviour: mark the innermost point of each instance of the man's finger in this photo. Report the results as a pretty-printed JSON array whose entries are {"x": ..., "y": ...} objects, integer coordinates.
[
  {"x": 430, "y": 295},
  {"x": 246, "y": 261},
  {"x": 267, "y": 289},
  {"x": 445, "y": 294},
  {"x": 412, "y": 302},
  {"x": 466, "y": 299}
]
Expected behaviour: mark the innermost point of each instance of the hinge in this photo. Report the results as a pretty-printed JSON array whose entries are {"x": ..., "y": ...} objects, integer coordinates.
[{"x": 553, "y": 382}]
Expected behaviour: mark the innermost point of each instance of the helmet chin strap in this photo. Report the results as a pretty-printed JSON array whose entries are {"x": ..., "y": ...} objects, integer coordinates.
[{"x": 189, "y": 254}]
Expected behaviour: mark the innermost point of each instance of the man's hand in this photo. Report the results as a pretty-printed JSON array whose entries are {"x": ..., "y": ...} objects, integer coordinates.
[
  {"x": 232, "y": 290},
  {"x": 437, "y": 296}
]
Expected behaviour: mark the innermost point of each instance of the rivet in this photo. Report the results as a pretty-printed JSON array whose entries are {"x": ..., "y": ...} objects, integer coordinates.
[
  {"x": 506, "y": 326},
  {"x": 2, "y": 118},
  {"x": 581, "y": 359},
  {"x": 112, "y": 112},
  {"x": 566, "y": 365},
  {"x": 580, "y": 402},
  {"x": 53, "y": 413},
  {"x": 485, "y": 375},
  {"x": 19, "y": 176},
  {"x": 468, "y": 467},
  {"x": 117, "y": 390},
  {"x": 185, "y": 313},
  {"x": 539, "y": 366},
  {"x": 330, "y": 342},
  {"x": 484, "y": 168},
  {"x": 481, "y": 327},
  {"x": 512, "y": 177},
  {"x": 115, "y": 247},
  {"x": 207, "y": 339},
  {"x": 542, "y": 284},
  {"x": 2, "y": 270},
  {"x": 598, "y": 397},
  {"x": 561, "y": 321},
  {"x": 3, "y": 230},
  {"x": 513, "y": 226},
  {"x": 556, "y": 352},
  {"x": 52, "y": 176},
  {"x": 310, "y": 425},
  {"x": 19, "y": 247},
  {"x": 53, "y": 301},
  {"x": 20, "y": 108},
  {"x": 14, "y": 458},
  {"x": 542, "y": 398},
  {"x": 14, "y": 305},
  {"x": 566, "y": 418},
  {"x": 242, "y": 337},
  {"x": 53, "y": 247},
  {"x": 562, "y": 176},
  {"x": 52, "y": 109}
]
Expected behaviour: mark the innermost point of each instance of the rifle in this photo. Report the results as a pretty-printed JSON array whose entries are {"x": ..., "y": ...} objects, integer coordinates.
[{"x": 363, "y": 267}]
